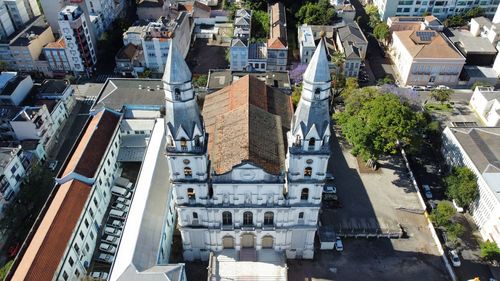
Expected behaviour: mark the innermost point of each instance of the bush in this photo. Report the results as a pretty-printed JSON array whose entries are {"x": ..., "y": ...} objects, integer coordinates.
[
  {"x": 490, "y": 251},
  {"x": 441, "y": 216},
  {"x": 200, "y": 81},
  {"x": 5, "y": 269},
  {"x": 320, "y": 13},
  {"x": 260, "y": 25},
  {"x": 296, "y": 95},
  {"x": 462, "y": 186}
]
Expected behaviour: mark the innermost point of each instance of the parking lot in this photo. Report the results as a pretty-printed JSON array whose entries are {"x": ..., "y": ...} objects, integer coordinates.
[
  {"x": 386, "y": 197},
  {"x": 114, "y": 220}
]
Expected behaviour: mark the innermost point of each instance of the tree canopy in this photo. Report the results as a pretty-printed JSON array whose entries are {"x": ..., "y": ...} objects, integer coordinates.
[
  {"x": 462, "y": 186},
  {"x": 260, "y": 25},
  {"x": 374, "y": 17},
  {"x": 490, "y": 251},
  {"x": 320, "y": 13},
  {"x": 441, "y": 216},
  {"x": 374, "y": 122},
  {"x": 441, "y": 95},
  {"x": 381, "y": 31}
]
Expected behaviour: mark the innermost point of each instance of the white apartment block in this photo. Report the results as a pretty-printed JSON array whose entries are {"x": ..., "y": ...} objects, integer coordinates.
[
  {"x": 18, "y": 12},
  {"x": 6, "y": 25},
  {"x": 34, "y": 123},
  {"x": 441, "y": 9},
  {"x": 64, "y": 242},
  {"x": 13, "y": 167},
  {"x": 80, "y": 48},
  {"x": 247, "y": 205},
  {"x": 425, "y": 57},
  {"x": 478, "y": 149},
  {"x": 485, "y": 101},
  {"x": 14, "y": 87}
]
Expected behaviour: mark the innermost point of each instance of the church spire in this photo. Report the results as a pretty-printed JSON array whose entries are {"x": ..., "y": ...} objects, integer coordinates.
[
  {"x": 176, "y": 69},
  {"x": 318, "y": 70}
]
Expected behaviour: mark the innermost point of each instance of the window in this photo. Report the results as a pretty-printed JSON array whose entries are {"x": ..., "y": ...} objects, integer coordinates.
[
  {"x": 183, "y": 144},
  {"x": 76, "y": 247},
  {"x": 188, "y": 172},
  {"x": 317, "y": 93},
  {"x": 81, "y": 235},
  {"x": 268, "y": 218},
  {"x": 92, "y": 235},
  {"x": 86, "y": 223},
  {"x": 87, "y": 248},
  {"x": 197, "y": 141},
  {"x": 170, "y": 141},
  {"x": 177, "y": 94},
  {"x": 247, "y": 218},
  {"x": 95, "y": 201},
  {"x": 191, "y": 194},
  {"x": 227, "y": 218},
  {"x": 297, "y": 140},
  {"x": 71, "y": 261},
  {"x": 301, "y": 215},
  {"x": 195, "y": 215},
  {"x": 91, "y": 212},
  {"x": 304, "y": 195},
  {"x": 65, "y": 275},
  {"x": 312, "y": 143},
  {"x": 308, "y": 172},
  {"x": 77, "y": 273}
]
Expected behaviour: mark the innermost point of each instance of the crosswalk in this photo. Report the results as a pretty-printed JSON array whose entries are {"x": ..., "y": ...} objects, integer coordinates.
[{"x": 89, "y": 100}]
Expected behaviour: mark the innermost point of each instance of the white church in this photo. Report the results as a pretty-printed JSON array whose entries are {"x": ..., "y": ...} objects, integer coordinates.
[{"x": 247, "y": 171}]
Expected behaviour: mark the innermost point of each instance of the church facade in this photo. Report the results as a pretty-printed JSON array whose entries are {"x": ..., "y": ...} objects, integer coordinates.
[{"x": 247, "y": 171}]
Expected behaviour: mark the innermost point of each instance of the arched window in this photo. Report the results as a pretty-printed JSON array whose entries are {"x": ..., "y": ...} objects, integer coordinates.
[
  {"x": 195, "y": 215},
  {"x": 177, "y": 94},
  {"x": 312, "y": 143},
  {"x": 308, "y": 172},
  {"x": 188, "y": 172},
  {"x": 183, "y": 144},
  {"x": 304, "y": 195},
  {"x": 301, "y": 215},
  {"x": 268, "y": 218},
  {"x": 298, "y": 140},
  {"x": 191, "y": 194},
  {"x": 247, "y": 218},
  {"x": 227, "y": 218},
  {"x": 317, "y": 93},
  {"x": 197, "y": 141}
]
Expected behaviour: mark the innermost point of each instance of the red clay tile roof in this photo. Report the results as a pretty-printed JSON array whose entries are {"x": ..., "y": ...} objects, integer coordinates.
[
  {"x": 46, "y": 249},
  {"x": 275, "y": 43},
  {"x": 92, "y": 146},
  {"x": 247, "y": 121},
  {"x": 277, "y": 36},
  {"x": 434, "y": 46},
  {"x": 58, "y": 44}
]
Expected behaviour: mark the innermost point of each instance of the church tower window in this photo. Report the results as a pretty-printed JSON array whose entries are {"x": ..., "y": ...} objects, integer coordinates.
[
  {"x": 191, "y": 194},
  {"x": 304, "y": 195},
  {"x": 297, "y": 140},
  {"x": 197, "y": 141},
  {"x": 177, "y": 94},
  {"x": 317, "y": 94},
  {"x": 312, "y": 143},
  {"x": 188, "y": 172},
  {"x": 308, "y": 172},
  {"x": 183, "y": 144}
]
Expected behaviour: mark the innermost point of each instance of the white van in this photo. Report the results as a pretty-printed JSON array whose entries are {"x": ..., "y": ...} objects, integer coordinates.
[
  {"x": 117, "y": 214},
  {"x": 120, "y": 192},
  {"x": 123, "y": 182}
]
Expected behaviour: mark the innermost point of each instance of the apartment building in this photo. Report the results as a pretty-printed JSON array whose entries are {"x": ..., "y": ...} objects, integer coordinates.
[
  {"x": 277, "y": 44},
  {"x": 345, "y": 37},
  {"x": 6, "y": 24},
  {"x": 63, "y": 244},
  {"x": 414, "y": 23},
  {"x": 13, "y": 168},
  {"x": 14, "y": 88},
  {"x": 478, "y": 148},
  {"x": 80, "y": 46},
  {"x": 425, "y": 57},
  {"x": 485, "y": 101},
  {"x": 239, "y": 49},
  {"x": 441, "y": 9},
  {"x": 34, "y": 123},
  {"x": 57, "y": 60},
  {"x": 58, "y": 90}
]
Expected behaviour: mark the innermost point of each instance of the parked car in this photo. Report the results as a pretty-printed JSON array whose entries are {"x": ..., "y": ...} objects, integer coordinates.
[
  {"x": 329, "y": 176},
  {"x": 455, "y": 260},
  {"x": 121, "y": 192},
  {"x": 108, "y": 248},
  {"x": 122, "y": 200},
  {"x": 53, "y": 165},
  {"x": 329, "y": 188},
  {"x": 112, "y": 231},
  {"x": 110, "y": 239},
  {"x": 99, "y": 275},
  {"x": 119, "y": 206},
  {"x": 339, "y": 246},
  {"x": 116, "y": 224},
  {"x": 117, "y": 214},
  {"x": 104, "y": 257},
  {"x": 418, "y": 88},
  {"x": 123, "y": 182},
  {"x": 442, "y": 87},
  {"x": 427, "y": 191}
]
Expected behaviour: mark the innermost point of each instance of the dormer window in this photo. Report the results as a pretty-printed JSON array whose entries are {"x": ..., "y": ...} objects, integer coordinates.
[
  {"x": 317, "y": 93},
  {"x": 297, "y": 140},
  {"x": 312, "y": 143},
  {"x": 177, "y": 94},
  {"x": 197, "y": 142},
  {"x": 183, "y": 144}
]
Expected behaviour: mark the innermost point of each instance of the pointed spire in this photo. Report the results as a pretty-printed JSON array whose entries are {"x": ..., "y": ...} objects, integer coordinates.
[
  {"x": 318, "y": 71},
  {"x": 176, "y": 69}
]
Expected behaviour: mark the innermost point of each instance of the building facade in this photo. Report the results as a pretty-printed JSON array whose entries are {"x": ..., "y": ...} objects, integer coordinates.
[
  {"x": 80, "y": 48},
  {"x": 485, "y": 101},
  {"x": 440, "y": 9},
  {"x": 277, "y": 44},
  {"x": 255, "y": 192},
  {"x": 13, "y": 168}
]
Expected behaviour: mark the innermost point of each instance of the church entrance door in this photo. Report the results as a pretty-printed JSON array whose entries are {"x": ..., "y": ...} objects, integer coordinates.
[
  {"x": 247, "y": 241},
  {"x": 267, "y": 242},
  {"x": 228, "y": 242}
]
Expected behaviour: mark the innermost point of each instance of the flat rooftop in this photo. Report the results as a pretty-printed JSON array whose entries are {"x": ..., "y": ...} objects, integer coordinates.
[
  {"x": 219, "y": 79},
  {"x": 469, "y": 44},
  {"x": 53, "y": 87},
  {"x": 119, "y": 92}
]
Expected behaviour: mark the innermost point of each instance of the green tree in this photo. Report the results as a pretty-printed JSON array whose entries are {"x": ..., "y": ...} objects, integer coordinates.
[
  {"x": 255, "y": 5},
  {"x": 376, "y": 125},
  {"x": 296, "y": 95},
  {"x": 200, "y": 81},
  {"x": 442, "y": 214},
  {"x": 386, "y": 80},
  {"x": 462, "y": 186},
  {"x": 260, "y": 25},
  {"x": 5, "y": 269},
  {"x": 351, "y": 84},
  {"x": 454, "y": 231},
  {"x": 382, "y": 32},
  {"x": 441, "y": 95},
  {"x": 374, "y": 17},
  {"x": 490, "y": 251},
  {"x": 480, "y": 84},
  {"x": 474, "y": 12},
  {"x": 146, "y": 73},
  {"x": 320, "y": 13}
]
